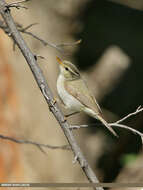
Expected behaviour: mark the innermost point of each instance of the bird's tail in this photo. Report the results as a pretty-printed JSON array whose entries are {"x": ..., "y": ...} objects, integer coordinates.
[{"x": 107, "y": 125}]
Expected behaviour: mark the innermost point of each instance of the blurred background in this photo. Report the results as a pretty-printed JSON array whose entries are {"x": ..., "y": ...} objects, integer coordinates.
[{"x": 110, "y": 58}]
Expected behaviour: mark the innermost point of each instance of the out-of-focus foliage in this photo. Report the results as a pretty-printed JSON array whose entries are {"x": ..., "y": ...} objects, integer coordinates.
[{"x": 128, "y": 159}]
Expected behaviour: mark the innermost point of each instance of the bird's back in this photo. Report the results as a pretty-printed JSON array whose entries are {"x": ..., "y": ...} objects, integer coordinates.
[{"x": 80, "y": 91}]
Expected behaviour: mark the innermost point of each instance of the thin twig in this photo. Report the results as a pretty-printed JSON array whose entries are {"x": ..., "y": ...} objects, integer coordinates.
[
  {"x": 41, "y": 81},
  {"x": 117, "y": 124},
  {"x": 38, "y": 145},
  {"x": 41, "y": 57},
  {"x": 138, "y": 110},
  {"x": 128, "y": 128},
  {"x": 112, "y": 125},
  {"x": 58, "y": 47},
  {"x": 69, "y": 44},
  {"x": 27, "y": 27},
  {"x": 16, "y": 4}
]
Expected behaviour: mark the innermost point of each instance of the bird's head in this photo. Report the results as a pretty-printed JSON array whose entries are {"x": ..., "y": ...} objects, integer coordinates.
[{"x": 68, "y": 70}]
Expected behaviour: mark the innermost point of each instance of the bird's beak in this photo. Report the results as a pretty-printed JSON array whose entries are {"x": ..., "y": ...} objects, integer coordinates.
[{"x": 59, "y": 61}]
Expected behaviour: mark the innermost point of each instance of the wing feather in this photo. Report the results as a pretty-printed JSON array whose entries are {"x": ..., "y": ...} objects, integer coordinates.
[{"x": 83, "y": 95}]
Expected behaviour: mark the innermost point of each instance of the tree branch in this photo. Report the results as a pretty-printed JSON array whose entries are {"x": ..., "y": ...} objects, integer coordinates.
[
  {"x": 138, "y": 110},
  {"x": 38, "y": 145},
  {"x": 58, "y": 47},
  {"x": 128, "y": 128},
  {"x": 17, "y": 4},
  {"x": 42, "y": 84},
  {"x": 117, "y": 124}
]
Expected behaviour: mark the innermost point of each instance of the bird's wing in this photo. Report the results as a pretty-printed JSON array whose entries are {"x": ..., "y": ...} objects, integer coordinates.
[{"x": 83, "y": 95}]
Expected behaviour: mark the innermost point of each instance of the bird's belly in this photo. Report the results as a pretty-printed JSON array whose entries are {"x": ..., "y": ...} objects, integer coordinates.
[
  {"x": 69, "y": 101},
  {"x": 72, "y": 104}
]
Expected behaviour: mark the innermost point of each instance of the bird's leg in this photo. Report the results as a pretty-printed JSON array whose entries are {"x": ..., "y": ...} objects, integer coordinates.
[{"x": 70, "y": 114}]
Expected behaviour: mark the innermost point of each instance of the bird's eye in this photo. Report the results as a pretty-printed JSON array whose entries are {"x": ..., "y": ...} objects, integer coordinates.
[{"x": 66, "y": 68}]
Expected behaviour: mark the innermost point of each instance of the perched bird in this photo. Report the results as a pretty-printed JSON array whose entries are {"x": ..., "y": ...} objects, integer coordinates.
[{"x": 75, "y": 94}]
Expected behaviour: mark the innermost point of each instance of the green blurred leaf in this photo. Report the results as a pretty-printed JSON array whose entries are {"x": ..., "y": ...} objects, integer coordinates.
[{"x": 128, "y": 159}]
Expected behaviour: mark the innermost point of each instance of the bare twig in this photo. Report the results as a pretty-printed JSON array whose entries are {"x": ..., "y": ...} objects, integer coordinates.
[
  {"x": 58, "y": 47},
  {"x": 27, "y": 27},
  {"x": 38, "y": 145},
  {"x": 138, "y": 110},
  {"x": 41, "y": 81},
  {"x": 128, "y": 128},
  {"x": 117, "y": 124},
  {"x": 112, "y": 125},
  {"x": 69, "y": 44},
  {"x": 17, "y": 4},
  {"x": 41, "y": 57}
]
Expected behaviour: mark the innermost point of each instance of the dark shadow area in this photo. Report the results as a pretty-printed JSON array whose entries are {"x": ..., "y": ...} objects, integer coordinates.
[{"x": 104, "y": 24}]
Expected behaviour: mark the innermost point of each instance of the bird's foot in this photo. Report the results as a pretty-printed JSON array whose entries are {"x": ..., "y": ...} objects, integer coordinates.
[{"x": 70, "y": 114}]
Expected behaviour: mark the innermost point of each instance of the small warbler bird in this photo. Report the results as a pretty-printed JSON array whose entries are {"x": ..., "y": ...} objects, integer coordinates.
[{"x": 75, "y": 94}]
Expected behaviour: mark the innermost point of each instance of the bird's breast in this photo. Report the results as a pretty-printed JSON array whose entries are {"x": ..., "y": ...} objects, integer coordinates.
[{"x": 70, "y": 102}]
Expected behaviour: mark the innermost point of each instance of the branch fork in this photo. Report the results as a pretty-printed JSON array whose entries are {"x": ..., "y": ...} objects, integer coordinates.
[{"x": 117, "y": 124}]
